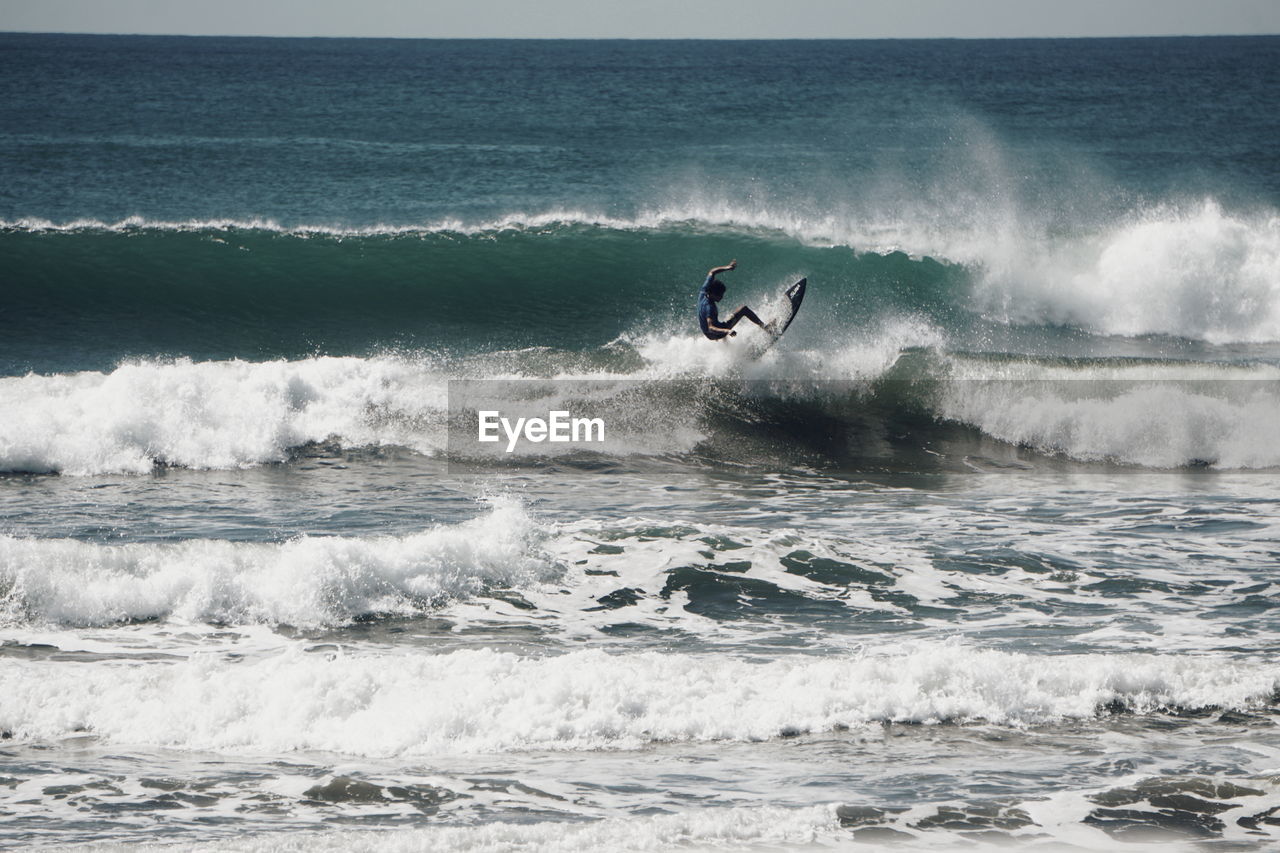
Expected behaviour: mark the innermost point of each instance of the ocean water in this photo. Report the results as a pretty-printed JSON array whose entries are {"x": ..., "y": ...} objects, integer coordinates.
[{"x": 983, "y": 553}]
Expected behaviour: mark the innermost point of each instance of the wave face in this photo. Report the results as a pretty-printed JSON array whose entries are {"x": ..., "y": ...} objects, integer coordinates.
[
  {"x": 219, "y": 290},
  {"x": 570, "y": 281}
]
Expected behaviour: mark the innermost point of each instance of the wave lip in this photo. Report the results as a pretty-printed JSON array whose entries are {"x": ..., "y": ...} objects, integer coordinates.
[
  {"x": 820, "y": 231},
  {"x": 483, "y": 701},
  {"x": 306, "y": 582}
]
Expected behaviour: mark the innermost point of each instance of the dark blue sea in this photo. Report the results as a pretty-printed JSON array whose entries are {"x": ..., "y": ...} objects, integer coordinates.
[{"x": 982, "y": 553}]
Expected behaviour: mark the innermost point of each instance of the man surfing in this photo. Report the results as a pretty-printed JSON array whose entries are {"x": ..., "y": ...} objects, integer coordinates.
[{"x": 708, "y": 317}]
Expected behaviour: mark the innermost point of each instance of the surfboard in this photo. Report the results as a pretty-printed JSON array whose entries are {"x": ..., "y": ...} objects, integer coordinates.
[{"x": 792, "y": 297}]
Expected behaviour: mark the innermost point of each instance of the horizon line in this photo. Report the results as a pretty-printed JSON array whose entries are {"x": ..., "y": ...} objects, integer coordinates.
[{"x": 650, "y": 38}]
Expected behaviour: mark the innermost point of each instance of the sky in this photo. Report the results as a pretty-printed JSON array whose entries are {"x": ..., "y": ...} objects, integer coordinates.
[{"x": 647, "y": 18}]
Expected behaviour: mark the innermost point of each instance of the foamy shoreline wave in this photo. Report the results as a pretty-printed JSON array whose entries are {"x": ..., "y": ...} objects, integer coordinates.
[
  {"x": 769, "y": 828},
  {"x": 482, "y": 701}
]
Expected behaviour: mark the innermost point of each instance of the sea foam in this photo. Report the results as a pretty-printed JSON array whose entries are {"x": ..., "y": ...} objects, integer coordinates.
[
  {"x": 213, "y": 414},
  {"x": 1158, "y": 416},
  {"x": 756, "y": 828},
  {"x": 305, "y": 582},
  {"x": 486, "y": 701},
  {"x": 234, "y": 414},
  {"x": 1191, "y": 271}
]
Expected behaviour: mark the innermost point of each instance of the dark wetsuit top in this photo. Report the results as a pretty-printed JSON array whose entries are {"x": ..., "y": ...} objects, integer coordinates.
[{"x": 707, "y": 312}]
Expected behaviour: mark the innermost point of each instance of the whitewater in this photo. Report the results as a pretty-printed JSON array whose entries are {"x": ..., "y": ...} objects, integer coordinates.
[{"x": 981, "y": 555}]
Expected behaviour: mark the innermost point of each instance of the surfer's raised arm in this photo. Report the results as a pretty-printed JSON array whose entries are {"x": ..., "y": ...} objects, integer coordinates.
[{"x": 729, "y": 267}]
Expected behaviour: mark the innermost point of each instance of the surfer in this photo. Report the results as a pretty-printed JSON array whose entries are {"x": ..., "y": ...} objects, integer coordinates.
[{"x": 708, "y": 317}]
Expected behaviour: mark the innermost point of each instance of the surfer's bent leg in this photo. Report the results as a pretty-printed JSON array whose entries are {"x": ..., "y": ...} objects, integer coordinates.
[{"x": 744, "y": 311}]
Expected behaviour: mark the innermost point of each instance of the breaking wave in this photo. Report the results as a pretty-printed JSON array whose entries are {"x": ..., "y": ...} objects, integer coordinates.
[{"x": 489, "y": 701}]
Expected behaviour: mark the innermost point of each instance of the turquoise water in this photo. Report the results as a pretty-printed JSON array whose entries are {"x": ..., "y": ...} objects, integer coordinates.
[{"x": 980, "y": 553}]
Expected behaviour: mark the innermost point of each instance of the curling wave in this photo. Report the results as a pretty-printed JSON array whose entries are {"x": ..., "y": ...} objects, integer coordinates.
[{"x": 570, "y": 280}]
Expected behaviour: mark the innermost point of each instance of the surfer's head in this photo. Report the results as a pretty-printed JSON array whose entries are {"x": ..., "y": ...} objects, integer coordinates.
[{"x": 715, "y": 290}]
